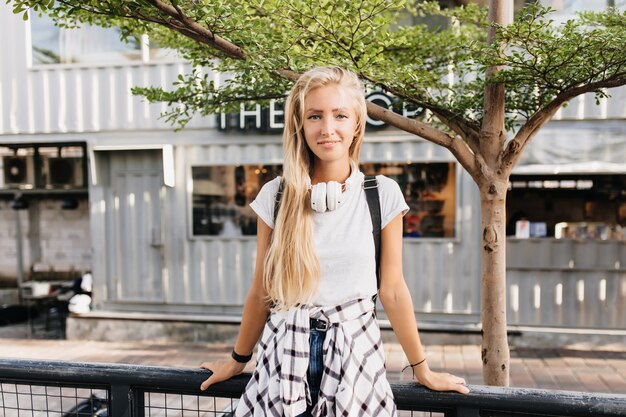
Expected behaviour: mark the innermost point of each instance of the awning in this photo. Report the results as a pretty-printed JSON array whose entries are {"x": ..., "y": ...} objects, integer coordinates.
[{"x": 576, "y": 148}]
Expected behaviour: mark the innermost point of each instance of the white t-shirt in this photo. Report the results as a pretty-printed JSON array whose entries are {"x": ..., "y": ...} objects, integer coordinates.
[{"x": 343, "y": 237}]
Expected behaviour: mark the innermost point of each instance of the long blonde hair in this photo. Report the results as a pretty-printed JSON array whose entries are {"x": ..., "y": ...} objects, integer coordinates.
[{"x": 291, "y": 270}]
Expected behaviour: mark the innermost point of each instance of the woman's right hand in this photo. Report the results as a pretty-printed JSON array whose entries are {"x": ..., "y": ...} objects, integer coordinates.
[{"x": 222, "y": 370}]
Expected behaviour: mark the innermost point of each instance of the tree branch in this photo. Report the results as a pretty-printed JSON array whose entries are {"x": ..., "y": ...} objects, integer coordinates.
[
  {"x": 455, "y": 122},
  {"x": 203, "y": 34},
  {"x": 459, "y": 126},
  {"x": 174, "y": 24},
  {"x": 516, "y": 147},
  {"x": 454, "y": 143}
]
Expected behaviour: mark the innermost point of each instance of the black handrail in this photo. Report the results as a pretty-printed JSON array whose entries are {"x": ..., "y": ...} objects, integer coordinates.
[{"x": 124, "y": 380}]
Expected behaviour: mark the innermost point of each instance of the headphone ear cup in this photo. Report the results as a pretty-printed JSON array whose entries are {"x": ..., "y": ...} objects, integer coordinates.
[
  {"x": 333, "y": 195},
  {"x": 318, "y": 197}
]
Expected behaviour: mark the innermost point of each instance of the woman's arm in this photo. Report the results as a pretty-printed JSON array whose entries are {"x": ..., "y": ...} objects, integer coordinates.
[
  {"x": 396, "y": 299},
  {"x": 255, "y": 312}
]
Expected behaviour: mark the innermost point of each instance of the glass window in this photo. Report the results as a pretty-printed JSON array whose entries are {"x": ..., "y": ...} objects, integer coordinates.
[
  {"x": 222, "y": 194},
  {"x": 157, "y": 52},
  {"x": 221, "y": 198},
  {"x": 585, "y": 206},
  {"x": 89, "y": 44},
  {"x": 429, "y": 190},
  {"x": 574, "y": 6}
]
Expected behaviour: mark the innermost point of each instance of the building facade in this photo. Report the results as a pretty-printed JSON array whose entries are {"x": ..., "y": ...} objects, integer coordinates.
[{"x": 161, "y": 218}]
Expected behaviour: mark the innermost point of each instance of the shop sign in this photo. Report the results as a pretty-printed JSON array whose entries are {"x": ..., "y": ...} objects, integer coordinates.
[{"x": 271, "y": 119}]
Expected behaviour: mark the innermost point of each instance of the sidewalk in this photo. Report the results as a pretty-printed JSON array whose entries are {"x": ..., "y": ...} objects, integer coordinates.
[{"x": 563, "y": 369}]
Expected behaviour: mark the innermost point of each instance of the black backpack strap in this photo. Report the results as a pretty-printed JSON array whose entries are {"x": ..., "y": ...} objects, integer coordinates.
[
  {"x": 279, "y": 196},
  {"x": 370, "y": 185}
]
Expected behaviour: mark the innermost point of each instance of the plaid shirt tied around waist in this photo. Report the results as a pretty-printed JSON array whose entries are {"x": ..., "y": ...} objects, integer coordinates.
[{"x": 354, "y": 381}]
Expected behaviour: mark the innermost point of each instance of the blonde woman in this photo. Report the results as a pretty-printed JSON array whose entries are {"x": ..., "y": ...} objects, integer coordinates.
[{"x": 311, "y": 299}]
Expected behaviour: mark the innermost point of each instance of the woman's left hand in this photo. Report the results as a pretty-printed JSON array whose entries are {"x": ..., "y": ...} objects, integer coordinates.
[{"x": 439, "y": 381}]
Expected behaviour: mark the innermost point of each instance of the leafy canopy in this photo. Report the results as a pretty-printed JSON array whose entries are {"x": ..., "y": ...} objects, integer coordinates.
[{"x": 392, "y": 44}]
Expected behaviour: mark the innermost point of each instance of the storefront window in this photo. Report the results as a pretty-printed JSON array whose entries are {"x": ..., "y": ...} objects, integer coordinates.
[
  {"x": 567, "y": 206},
  {"x": 429, "y": 190},
  {"x": 221, "y": 198},
  {"x": 222, "y": 194}
]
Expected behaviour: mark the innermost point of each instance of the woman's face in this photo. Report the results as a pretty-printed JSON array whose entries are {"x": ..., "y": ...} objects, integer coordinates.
[{"x": 329, "y": 123}]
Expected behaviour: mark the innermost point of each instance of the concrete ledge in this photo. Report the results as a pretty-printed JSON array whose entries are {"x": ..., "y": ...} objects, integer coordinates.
[
  {"x": 573, "y": 338},
  {"x": 122, "y": 327},
  {"x": 136, "y": 326},
  {"x": 140, "y": 316},
  {"x": 117, "y": 326}
]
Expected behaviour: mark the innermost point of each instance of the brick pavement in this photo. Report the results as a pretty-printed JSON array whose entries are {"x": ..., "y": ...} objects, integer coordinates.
[{"x": 588, "y": 369}]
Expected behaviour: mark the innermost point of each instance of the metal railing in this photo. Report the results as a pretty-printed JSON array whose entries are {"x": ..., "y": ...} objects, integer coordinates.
[{"x": 60, "y": 389}]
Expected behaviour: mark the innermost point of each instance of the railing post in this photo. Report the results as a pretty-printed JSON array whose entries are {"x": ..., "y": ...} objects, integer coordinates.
[
  {"x": 120, "y": 405},
  {"x": 467, "y": 412},
  {"x": 138, "y": 403}
]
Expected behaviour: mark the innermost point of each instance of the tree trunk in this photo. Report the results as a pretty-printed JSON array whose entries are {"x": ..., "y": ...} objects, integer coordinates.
[
  {"x": 492, "y": 183},
  {"x": 495, "y": 346}
]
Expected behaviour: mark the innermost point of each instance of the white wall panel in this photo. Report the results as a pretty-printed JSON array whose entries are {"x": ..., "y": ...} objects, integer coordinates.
[
  {"x": 71, "y": 98},
  {"x": 67, "y": 98},
  {"x": 566, "y": 283}
]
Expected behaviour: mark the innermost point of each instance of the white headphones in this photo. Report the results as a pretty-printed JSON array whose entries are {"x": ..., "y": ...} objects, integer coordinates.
[{"x": 326, "y": 196}]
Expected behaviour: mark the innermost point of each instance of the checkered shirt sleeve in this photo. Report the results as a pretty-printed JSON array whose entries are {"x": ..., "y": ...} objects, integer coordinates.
[{"x": 354, "y": 380}]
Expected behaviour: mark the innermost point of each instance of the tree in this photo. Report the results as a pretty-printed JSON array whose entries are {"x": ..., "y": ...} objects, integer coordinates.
[{"x": 488, "y": 87}]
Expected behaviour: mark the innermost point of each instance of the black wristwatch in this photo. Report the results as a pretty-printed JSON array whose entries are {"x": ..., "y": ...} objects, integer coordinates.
[{"x": 241, "y": 358}]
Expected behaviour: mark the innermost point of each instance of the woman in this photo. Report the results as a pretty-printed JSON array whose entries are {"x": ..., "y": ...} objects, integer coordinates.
[{"x": 315, "y": 276}]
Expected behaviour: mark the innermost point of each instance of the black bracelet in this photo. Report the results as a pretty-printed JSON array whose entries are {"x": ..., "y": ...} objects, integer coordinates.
[
  {"x": 240, "y": 358},
  {"x": 414, "y": 365}
]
